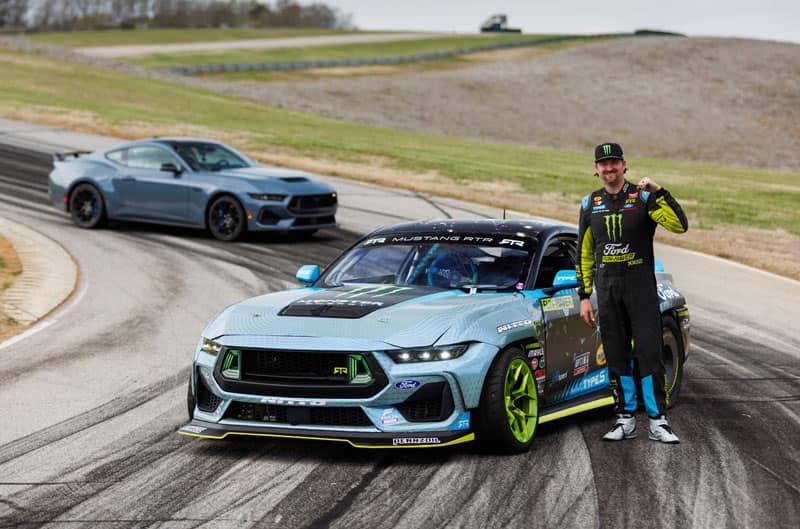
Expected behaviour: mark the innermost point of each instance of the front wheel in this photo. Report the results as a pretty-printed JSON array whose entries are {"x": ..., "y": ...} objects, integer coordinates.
[
  {"x": 86, "y": 207},
  {"x": 225, "y": 218},
  {"x": 508, "y": 413},
  {"x": 673, "y": 357}
]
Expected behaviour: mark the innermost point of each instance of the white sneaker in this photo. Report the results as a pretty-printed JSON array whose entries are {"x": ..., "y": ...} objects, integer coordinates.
[
  {"x": 661, "y": 431},
  {"x": 624, "y": 428}
]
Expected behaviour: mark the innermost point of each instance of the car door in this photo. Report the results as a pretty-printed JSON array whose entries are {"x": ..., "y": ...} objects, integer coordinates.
[
  {"x": 148, "y": 192},
  {"x": 570, "y": 345}
]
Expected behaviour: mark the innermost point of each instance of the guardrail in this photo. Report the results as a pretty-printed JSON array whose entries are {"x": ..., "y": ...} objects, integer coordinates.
[{"x": 305, "y": 65}]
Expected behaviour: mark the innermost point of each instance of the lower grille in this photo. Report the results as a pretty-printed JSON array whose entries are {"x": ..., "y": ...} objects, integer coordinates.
[
  {"x": 309, "y": 203},
  {"x": 206, "y": 401},
  {"x": 430, "y": 403},
  {"x": 314, "y": 221},
  {"x": 266, "y": 216},
  {"x": 298, "y": 415}
]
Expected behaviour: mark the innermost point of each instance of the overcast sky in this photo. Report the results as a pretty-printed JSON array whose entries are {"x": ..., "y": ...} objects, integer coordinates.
[{"x": 763, "y": 19}]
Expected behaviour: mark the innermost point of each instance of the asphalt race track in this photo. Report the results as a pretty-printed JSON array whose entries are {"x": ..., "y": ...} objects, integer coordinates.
[{"x": 89, "y": 405}]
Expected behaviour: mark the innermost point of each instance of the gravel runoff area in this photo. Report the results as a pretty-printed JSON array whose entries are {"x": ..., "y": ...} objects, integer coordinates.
[{"x": 727, "y": 101}]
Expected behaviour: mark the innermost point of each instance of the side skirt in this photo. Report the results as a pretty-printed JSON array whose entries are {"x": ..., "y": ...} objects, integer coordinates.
[{"x": 590, "y": 401}]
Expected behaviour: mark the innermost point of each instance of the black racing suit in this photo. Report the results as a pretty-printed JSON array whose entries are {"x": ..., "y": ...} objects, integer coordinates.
[{"x": 615, "y": 239}]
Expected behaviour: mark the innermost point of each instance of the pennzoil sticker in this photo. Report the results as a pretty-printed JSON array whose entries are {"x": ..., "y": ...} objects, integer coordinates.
[{"x": 559, "y": 303}]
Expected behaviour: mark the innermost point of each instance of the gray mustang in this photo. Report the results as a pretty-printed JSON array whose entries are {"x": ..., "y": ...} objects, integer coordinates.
[{"x": 189, "y": 182}]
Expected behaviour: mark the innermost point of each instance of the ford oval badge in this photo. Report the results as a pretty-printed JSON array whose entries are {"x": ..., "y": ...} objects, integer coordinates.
[{"x": 406, "y": 385}]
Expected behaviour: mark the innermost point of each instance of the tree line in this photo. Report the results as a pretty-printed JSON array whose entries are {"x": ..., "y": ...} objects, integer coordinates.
[{"x": 69, "y": 15}]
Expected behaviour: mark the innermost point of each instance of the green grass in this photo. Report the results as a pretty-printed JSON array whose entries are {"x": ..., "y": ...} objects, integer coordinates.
[
  {"x": 120, "y": 37},
  {"x": 325, "y": 53},
  {"x": 712, "y": 195}
]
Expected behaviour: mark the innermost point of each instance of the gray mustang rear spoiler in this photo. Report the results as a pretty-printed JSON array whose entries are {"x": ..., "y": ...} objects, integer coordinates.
[{"x": 65, "y": 156}]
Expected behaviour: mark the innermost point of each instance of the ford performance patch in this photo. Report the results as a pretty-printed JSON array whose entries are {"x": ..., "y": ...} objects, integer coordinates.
[{"x": 353, "y": 301}]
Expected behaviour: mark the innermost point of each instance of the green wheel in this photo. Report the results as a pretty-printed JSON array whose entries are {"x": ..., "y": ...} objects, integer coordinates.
[{"x": 508, "y": 413}]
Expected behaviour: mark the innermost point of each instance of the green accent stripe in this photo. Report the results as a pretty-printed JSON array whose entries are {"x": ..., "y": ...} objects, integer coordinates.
[
  {"x": 465, "y": 439},
  {"x": 586, "y": 406},
  {"x": 666, "y": 216},
  {"x": 585, "y": 270}
]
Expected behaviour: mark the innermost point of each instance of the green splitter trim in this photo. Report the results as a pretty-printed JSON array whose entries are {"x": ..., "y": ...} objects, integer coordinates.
[{"x": 521, "y": 400}]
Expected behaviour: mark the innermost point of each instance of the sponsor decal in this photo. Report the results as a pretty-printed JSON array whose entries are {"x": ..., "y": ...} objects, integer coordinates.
[
  {"x": 598, "y": 200},
  {"x": 339, "y": 370},
  {"x": 541, "y": 363},
  {"x": 377, "y": 240},
  {"x": 400, "y": 441},
  {"x": 558, "y": 376},
  {"x": 540, "y": 373},
  {"x": 616, "y": 249},
  {"x": 614, "y": 226},
  {"x": 389, "y": 416},
  {"x": 463, "y": 422},
  {"x": 600, "y": 357},
  {"x": 580, "y": 363},
  {"x": 407, "y": 385},
  {"x": 636, "y": 262},
  {"x": 558, "y": 303},
  {"x": 534, "y": 350},
  {"x": 630, "y": 200},
  {"x": 340, "y": 302},
  {"x": 666, "y": 292},
  {"x": 607, "y": 149},
  {"x": 619, "y": 258},
  {"x": 633, "y": 195},
  {"x": 512, "y": 242},
  {"x": 513, "y": 325},
  {"x": 292, "y": 402},
  {"x": 193, "y": 429}
]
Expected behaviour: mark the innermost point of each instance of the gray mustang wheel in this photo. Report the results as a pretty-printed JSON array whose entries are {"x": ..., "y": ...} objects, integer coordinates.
[
  {"x": 226, "y": 219},
  {"x": 86, "y": 206}
]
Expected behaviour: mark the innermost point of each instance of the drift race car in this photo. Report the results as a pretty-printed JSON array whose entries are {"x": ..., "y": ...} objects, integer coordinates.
[
  {"x": 422, "y": 334},
  {"x": 189, "y": 182}
]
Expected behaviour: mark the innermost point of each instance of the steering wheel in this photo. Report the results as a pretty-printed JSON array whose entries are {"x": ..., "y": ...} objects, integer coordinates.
[{"x": 450, "y": 267}]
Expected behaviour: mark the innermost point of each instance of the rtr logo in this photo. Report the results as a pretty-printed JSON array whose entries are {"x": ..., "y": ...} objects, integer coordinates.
[
  {"x": 513, "y": 242},
  {"x": 339, "y": 370}
]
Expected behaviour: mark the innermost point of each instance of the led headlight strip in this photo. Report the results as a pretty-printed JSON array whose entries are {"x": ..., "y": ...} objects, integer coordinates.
[{"x": 427, "y": 354}]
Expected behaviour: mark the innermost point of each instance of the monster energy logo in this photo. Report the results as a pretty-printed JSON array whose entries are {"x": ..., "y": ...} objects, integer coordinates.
[
  {"x": 607, "y": 149},
  {"x": 614, "y": 226}
]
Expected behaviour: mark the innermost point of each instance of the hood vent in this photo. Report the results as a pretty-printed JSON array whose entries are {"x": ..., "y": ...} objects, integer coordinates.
[{"x": 294, "y": 179}]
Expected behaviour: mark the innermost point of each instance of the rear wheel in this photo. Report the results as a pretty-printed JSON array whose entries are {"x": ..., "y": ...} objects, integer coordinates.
[
  {"x": 86, "y": 207},
  {"x": 509, "y": 409},
  {"x": 673, "y": 356},
  {"x": 225, "y": 218}
]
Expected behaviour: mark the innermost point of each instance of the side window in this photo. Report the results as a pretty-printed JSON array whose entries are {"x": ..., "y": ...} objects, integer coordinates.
[
  {"x": 559, "y": 255},
  {"x": 120, "y": 156},
  {"x": 149, "y": 157}
]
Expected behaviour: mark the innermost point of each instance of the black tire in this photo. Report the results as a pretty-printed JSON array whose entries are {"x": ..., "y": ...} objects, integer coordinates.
[
  {"x": 86, "y": 206},
  {"x": 673, "y": 356},
  {"x": 191, "y": 401},
  {"x": 225, "y": 218},
  {"x": 493, "y": 425}
]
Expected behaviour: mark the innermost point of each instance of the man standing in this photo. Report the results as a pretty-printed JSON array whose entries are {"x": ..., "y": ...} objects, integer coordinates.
[{"x": 615, "y": 240}]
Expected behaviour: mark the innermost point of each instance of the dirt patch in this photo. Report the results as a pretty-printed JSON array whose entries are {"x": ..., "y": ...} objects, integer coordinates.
[
  {"x": 728, "y": 101},
  {"x": 10, "y": 269}
]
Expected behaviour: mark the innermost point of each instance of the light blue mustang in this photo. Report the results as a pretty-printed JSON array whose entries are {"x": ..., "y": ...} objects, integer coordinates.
[
  {"x": 423, "y": 334},
  {"x": 189, "y": 182}
]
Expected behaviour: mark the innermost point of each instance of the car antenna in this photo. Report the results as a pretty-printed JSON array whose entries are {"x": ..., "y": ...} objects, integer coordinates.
[{"x": 504, "y": 213}]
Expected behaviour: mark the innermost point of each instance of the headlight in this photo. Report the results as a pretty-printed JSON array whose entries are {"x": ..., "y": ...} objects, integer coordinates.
[
  {"x": 266, "y": 196},
  {"x": 211, "y": 347},
  {"x": 427, "y": 354}
]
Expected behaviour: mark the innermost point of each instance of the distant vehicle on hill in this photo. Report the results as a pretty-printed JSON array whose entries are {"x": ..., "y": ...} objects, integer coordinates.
[
  {"x": 189, "y": 182},
  {"x": 498, "y": 24}
]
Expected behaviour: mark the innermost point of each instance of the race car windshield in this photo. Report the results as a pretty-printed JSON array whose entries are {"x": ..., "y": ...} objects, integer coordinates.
[
  {"x": 442, "y": 265},
  {"x": 209, "y": 156}
]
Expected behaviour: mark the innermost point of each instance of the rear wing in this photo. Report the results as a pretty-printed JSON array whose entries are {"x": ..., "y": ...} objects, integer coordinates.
[{"x": 67, "y": 156}]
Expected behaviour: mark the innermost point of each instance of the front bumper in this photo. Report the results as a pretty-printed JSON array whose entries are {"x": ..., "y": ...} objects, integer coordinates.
[{"x": 209, "y": 430}]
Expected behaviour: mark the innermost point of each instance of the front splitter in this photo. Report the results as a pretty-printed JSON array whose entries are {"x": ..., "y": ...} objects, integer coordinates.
[{"x": 209, "y": 430}]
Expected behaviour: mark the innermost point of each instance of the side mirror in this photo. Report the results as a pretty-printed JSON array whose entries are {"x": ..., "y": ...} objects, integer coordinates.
[
  {"x": 171, "y": 168},
  {"x": 307, "y": 274}
]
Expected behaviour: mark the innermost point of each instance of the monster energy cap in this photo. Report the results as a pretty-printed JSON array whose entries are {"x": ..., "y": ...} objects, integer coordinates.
[{"x": 606, "y": 151}]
